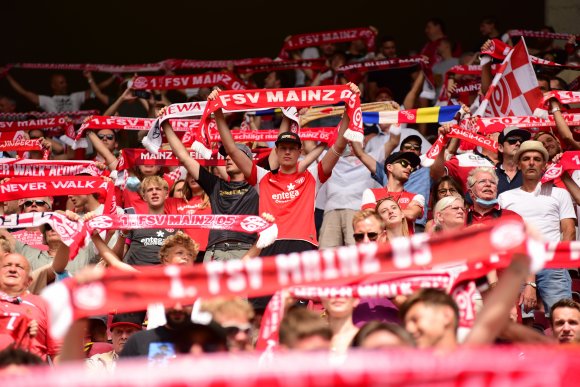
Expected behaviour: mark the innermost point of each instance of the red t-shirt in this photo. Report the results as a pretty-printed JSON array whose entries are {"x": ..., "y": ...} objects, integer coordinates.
[
  {"x": 191, "y": 207},
  {"x": 133, "y": 198},
  {"x": 290, "y": 199},
  {"x": 31, "y": 307}
]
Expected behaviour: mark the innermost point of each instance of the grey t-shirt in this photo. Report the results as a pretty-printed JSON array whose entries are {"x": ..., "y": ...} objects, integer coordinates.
[
  {"x": 39, "y": 258},
  {"x": 145, "y": 246}
]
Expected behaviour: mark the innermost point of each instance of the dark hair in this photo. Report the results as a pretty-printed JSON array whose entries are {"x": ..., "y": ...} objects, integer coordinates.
[
  {"x": 376, "y": 326},
  {"x": 562, "y": 82},
  {"x": 563, "y": 303},
  {"x": 489, "y": 20},
  {"x": 387, "y": 38},
  {"x": 301, "y": 323},
  {"x": 438, "y": 22},
  {"x": 432, "y": 297},
  {"x": 443, "y": 179},
  {"x": 16, "y": 356}
]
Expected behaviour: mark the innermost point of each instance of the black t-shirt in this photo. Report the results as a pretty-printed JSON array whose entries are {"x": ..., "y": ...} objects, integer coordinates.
[
  {"x": 145, "y": 246},
  {"x": 229, "y": 198},
  {"x": 157, "y": 344}
]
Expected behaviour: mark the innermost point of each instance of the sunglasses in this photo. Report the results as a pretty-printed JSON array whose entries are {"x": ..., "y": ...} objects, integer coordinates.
[
  {"x": 109, "y": 137},
  {"x": 359, "y": 237},
  {"x": 233, "y": 330},
  {"x": 514, "y": 140},
  {"x": 38, "y": 203},
  {"x": 404, "y": 163},
  {"x": 412, "y": 147}
]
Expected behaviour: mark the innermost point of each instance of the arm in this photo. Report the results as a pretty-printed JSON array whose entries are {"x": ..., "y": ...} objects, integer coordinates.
[
  {"x": 331, "y": 158},
  {"x": 486, "y": 76},
  {"x": 29, "y": 95},
  {"x": 311, "y": 157},
  {"x": 563, "y": 129},
  {"x": 410, "y": 101},
  {"x": 95, "y": 88},
  {"x": 190, "y": 164},
  {"x": 126, "y": 96},
  {"x": 61, "y": 259},
  {"x": 515, "y": 332},
  {"x": 438, "y": 168},
  {"x": 567, "y": 226},
  {"x": 109, "y": 157},
  {"x": 413, "y": 211},
  {"x": 571, "y": 186},
  {"x": 109, "y": 255},
  {"x": 368, "y": 160},
  {"x": 242, "y": 161},
  {"x": 284, "y": 127},
  {"x": 493, "y": 318}
]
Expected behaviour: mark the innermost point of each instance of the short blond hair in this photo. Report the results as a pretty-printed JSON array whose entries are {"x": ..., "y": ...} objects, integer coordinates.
[
  {"x": 223, "y": 308},
  {"x": 154, "y": 181}
]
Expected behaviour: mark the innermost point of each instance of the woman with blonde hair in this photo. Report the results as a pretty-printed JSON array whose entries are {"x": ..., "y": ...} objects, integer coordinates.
[
  {"x": 395, "y": 221},
  {"x": 449, "y": 214}
]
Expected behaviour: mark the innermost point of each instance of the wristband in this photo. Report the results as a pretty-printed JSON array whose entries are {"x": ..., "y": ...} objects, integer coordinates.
[
  {"x": 554, "y": 110},
  {"x": 334, "y": 151}
]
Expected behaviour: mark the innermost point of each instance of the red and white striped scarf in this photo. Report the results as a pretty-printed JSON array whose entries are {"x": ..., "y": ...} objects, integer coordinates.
[
  {"x": 488, "y": 125},
  {"x": 570, "y": 161},
  {"x": 41, "y": 168},
  {"x": 225, "y": 79},
  {"x": 315, "y": 64},
  {"x": 40, "y": 123},
  {"x": 21, "y": 146},
  {"x": 541, "y": 34}
]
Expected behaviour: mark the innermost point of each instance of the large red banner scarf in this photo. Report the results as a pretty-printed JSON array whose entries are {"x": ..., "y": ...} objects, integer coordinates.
[
  {"x": 296, "y": 97},
  {"x": 570, "y": 161},
  {"x": 313, "y": 39},
  {"x": 171, "y": 82},
  {"x": 40, "y": 168}
]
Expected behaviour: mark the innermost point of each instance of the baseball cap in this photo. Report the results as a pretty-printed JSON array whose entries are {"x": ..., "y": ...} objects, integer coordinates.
[
  {"x": 513, "y": 131},
  {"x": 532, "y": 145},
  {"x": 409, "y": 156},
  {"x": 243, "y": 147},
  {"x": 412, "y": 137},
  {"x": 290, "y": 137},
  {"x": 134, "y": 319}
]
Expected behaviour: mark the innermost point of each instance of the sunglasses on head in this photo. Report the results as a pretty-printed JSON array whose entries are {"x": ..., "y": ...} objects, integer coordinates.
[
  {"x": 359, "y": 237},
  {"x": 38, "y": 203},
  {"x": 109, "y": 137},
  {"x": 514, "y": 140}
]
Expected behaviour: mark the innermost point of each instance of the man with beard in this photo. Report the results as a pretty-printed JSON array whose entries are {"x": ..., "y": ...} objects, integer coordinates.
[
  {"x": 178, "y": 335},
  {"x": 550, "y": 210}
]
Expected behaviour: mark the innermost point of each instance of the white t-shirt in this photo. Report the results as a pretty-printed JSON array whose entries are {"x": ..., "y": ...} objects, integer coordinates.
[
  {"x": 543, "y": 208},
  {"x": 62, "y": 103}
]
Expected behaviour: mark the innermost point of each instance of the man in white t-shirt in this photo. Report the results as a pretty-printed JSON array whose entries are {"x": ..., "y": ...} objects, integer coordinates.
[{"x": 550, "y": 210}]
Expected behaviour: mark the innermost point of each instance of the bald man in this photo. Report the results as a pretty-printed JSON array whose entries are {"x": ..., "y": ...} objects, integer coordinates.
[{"x": 23, "y": 316}]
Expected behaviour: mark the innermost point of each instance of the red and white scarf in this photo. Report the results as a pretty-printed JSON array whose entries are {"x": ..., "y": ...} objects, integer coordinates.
[
  {"x": 313, "y": 39},
  {"x": 22, "y": 146},
  {"x": 170, "y": 82},
  {"x": 295, "y": 97},
  {"x": 261, "y": 276},
  {"x": 462, "y": 134},
  {"x": 215, "y": 64},
  {"x": 41, "y": 168},
  {"x": 541, "y": 34},
  {"x": 41, "y": 123},
  {"x": 76, "y": 117},
  {"x": 316, "y": 64},
  {"x": 570, "y": 161},
  {"x": 354, "y": 72},
  {"x": 488, "y": 125},
  {"x": 564, "y": 97}
]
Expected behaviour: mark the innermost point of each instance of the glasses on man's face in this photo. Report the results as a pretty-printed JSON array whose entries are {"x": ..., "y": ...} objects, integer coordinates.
[
  {"x": 109, "y": 137},
  {"x": 359, "y": 237},
  {"x": 37, "y": 203},
  {"x": 404, "y": 163},
  {"x": 514, "y": 140},
  {"x": 232, "y": 330},
  {"x": 446, "y": 191},
  {"x": 411, "y": 147}
]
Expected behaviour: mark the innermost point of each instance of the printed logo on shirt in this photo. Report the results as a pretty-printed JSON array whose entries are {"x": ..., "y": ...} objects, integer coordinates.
[
  {"x": 284, "y": 197},
  {"x": 152, "y": 241},
  {"x": 300, "y": 180},
  {"x": 404, "y": 201}
]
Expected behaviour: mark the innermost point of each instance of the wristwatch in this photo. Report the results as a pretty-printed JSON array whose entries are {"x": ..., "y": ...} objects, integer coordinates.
[{"x": 532, "y": 284}]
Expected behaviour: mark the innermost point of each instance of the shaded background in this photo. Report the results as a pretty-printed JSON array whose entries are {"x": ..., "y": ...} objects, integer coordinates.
[{"x": 125, "y": 32}]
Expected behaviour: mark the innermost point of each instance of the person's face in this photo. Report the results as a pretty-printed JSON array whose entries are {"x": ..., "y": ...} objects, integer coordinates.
[
  {"x": 35, "y": 205},
  {"x": 337, "y": 61},
  {"x": 432, "y": 30},
  {"x": 271, "y": 81},
  {"x": 446, "y": 189},
  {"x": 328, "y": 49},
  {"x": 532, "y": 165},
  {"x": 178, "y": 190},
  {"x": 412, "y": 146},
  {"x": 367, "y": 230},
  {"x": 400, "y": 169},
  {"x": 120, "y": 335},
  {"x": 52, "y": 236},
  {"x": 453, "y": 216},
  {"x": 565, "y": 326},
  {"x": 35, "y": 133},
  {"x": 239, "y": 333},
  {"x": 383, "y": 97},
  {"x": 544, "y": 85},
  {"x": 340, "y": 306},
  {"x": 6, "y": 106},
  {"x": 58, "y": 84},
  {"x": 288, "y": 154},
  {"x": 178, "y": 316},
  {"x": 511, "y": 144},
  {"x": 179, "y": 255},
  {"x": 382, "y": 340},
  {"x": 555, "y": 85},
  {"x": 193, "y": 185},
  {"x": 486, "y": 28},
  {"x": 231, "y": 167},
  {"x": 79, "y": 201},
  {"x": 389, "y": 49},
  {"x": 312, "y": 343},
  {"x": 149, "y": 170},
  {"x": 391, "y": 213},
  {"x": 155, "y": 196},
  {"x": 107, "y": 136},
  {"x": 14, "y": 273},
  {"x": 428, "y": 324},
  {"x": 551, "y": 145},
  {"x": 485, "y": 186}
]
